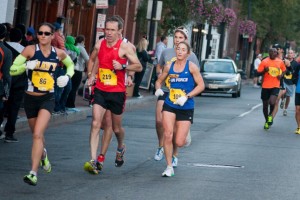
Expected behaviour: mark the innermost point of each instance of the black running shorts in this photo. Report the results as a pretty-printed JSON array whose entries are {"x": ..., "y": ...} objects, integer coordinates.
[
  {"x": 297, "y": 99},
  {"x": 181, "y": 115},
  {"x": 267, "y": 92},
  {"x": 113, "y": 101},
  {"x": 33, "y": 104}
]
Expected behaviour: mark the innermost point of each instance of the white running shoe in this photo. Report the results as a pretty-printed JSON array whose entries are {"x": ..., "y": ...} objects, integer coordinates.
[
  {"x": 169, "y": 171},
  {"x": 174, "y": 161},
  {"x": 159, "y": 154},
  {"x": 188, "y": 139},
  {"x": 284, "y": 112}
]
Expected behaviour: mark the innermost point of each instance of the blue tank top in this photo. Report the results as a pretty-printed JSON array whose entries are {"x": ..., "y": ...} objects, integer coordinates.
[
  {"x": 181, "y": 83},
  {"x": 41, "y": 79}
]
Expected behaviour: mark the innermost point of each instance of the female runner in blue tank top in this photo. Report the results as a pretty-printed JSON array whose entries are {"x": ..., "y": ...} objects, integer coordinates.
[
  {"x": 39, "y": 61},
  {"x": 178, "y": 108}
]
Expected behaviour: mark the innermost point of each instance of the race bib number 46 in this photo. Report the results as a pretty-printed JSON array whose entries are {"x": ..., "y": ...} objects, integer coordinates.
[
  {"x": 175, "y": 94},
  {"x": 42, "y": 80},
  {"x": 107, "y": 77}
]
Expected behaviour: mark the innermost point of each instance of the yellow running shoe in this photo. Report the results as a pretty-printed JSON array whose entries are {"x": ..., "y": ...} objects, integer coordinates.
[
  {"x": 45, "y": 164},
  {"x": 270, "y": 120},
  {"x": 30, "y": 179},
  {"x": 266, "y": 126},
  {"x": 297, "y": 131},
  {"x": 91, "y": 167}
]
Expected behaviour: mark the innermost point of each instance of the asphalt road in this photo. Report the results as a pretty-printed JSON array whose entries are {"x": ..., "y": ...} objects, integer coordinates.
[{"x": 231, "y": 157}]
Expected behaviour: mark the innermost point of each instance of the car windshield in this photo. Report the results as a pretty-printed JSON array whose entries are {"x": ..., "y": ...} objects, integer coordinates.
[{"x": 218, "y": 67}]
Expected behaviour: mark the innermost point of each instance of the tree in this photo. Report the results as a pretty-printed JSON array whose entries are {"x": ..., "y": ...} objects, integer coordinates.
[{"x": 277, "y": 22}]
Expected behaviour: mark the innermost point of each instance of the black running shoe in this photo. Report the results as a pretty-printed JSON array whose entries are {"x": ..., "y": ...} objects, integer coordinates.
[{"x": 119, "y": 157}]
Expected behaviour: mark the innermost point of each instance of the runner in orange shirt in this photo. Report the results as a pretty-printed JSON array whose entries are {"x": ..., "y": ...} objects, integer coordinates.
[{"x": 272, "y": 69}]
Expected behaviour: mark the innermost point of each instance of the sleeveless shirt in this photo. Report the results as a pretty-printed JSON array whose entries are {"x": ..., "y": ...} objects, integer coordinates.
[
  {"x": 181, "y": 83},
  {"x": 41, "y": 79},
  {"x": 110, "y": 80}
]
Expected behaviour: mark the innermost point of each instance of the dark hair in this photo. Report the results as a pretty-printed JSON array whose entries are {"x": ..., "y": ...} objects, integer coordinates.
[
  {"x": 163, "y": 38},
  {"x": 47, "y": 24},
  {"x": 79, "y": 39},
  {"x": 22, "y": 28},
  {"x": 115, "y": 18}
]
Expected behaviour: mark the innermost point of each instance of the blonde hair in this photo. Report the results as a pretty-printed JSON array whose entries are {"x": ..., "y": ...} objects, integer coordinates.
[{"x": 142, "y": 45}]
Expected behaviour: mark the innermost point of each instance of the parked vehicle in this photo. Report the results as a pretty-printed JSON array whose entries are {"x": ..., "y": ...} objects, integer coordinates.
[{"x": 221, "y": 76}]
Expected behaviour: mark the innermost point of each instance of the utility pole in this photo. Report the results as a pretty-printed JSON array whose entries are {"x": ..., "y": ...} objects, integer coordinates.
[
  {"x": 208, "y": 38},
  {"x": 245, "y": 45},
  {"x": 152, "y": 25}
]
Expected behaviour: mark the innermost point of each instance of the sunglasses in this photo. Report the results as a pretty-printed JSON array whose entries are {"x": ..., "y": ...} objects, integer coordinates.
[{"x": 45, "y": 33}]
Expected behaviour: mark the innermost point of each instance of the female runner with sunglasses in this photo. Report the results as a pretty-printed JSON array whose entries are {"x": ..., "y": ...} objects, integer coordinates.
[{"x": 39, "y": 61}]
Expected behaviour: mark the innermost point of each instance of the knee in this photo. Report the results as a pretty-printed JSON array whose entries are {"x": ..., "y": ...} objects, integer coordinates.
[
  {"x": 37, "y": 136},
  {"x": 180, "y": 143},
  {"x": 117, "y": 129},
  {"x": 96, "y": 124},
  {"x": 168, "y": 136}
]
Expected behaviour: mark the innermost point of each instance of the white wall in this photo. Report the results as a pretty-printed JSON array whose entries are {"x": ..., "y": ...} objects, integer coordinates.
[{"x": 7, "y": 13}]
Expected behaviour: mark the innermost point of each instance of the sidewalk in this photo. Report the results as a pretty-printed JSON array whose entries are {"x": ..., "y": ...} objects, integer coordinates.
[{"x": 85, "y": 110}]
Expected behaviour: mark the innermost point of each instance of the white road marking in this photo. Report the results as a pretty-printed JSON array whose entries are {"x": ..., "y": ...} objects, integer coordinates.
[
  {"x": 214, "y": 165},
  {"x": 253, "y": 108}
]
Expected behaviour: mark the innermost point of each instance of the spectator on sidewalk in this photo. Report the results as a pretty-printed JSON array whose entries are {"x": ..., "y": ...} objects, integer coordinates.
[
  {"x": 144, "y": 57},
  {"x": 257, "y": 61},
  {"x": 60, "y": 94},
  {"x": 160, "y": 46},
  {"x": 59, "y": 39},
  {"x": 82, "y": 59},
  {"x": 30, "y": 36},
  {"x": 5, "y": 63},
  {"x": 16, "y": 94}
]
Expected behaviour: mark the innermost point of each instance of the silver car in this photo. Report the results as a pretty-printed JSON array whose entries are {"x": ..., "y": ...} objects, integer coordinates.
[{"x": 221, "y": 76}]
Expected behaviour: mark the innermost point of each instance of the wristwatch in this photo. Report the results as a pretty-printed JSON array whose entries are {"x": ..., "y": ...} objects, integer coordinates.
[{"x": 124, "y": 66}]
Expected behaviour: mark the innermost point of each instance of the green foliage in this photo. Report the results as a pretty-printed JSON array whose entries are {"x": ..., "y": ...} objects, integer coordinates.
[
  {"x": 141, "y": 16},
  {"x": 277, "y": 21},
  {"x": 174, "y": 15}
]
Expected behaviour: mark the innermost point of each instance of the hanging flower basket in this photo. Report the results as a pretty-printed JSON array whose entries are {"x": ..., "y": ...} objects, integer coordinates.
[
  {"x": 203, "y": 11},
  {"x": 247, "y": 28},
  {"x": 229, "y": 17}
]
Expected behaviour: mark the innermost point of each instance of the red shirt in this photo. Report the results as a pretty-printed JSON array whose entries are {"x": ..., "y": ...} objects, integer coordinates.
[{"x": 110, "y": 80}]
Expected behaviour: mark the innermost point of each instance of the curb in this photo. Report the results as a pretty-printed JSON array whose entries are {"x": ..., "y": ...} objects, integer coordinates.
[{"x": 84, "y": 112}]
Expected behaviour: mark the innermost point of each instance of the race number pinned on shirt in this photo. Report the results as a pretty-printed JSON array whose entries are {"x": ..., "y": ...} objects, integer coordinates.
[
  {"x": 290, "y": 76},
  {"x": 274, "y": 71},
  {"x": 175, "y": 94},
  {"x": 107, "y": 77},
  {"x": 42, "y": 80}
]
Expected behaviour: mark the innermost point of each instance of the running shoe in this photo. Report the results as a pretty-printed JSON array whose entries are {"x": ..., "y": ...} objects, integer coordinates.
[
  {"x": 266, "y": 126},
  {"x": 45, "y": 164},
  {"x": 188, "y": 139},
  {"x": 282, "y": 103},
  {"x": 174, "y": 161},
  {"x": 169, "y": 171},
  {"x": 91, "y": 167},
  {"x": 119, "y": 157},
  {"x": 270, "y": 120},
  {"x": 159, "y": 153},
  {"x": 297, "y": 131},
  {"x": 100, "y": 162},
  {"x": 30, "y": 179},
  {"x": 285, "y": 113}
]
